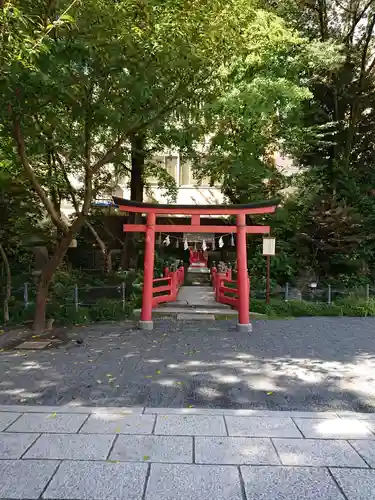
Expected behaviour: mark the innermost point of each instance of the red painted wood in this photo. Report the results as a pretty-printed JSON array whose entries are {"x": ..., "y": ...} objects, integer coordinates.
[
  {"x": 162, "y": 279},
  {"x": 231, "y": 301},
  {"x": 195, "y": 220},
  {"x": 175, "y": 281},
  {"x": 197, "y": 210},
  {"x": 227, "y": 289},
  {"x": 242, "y": 274},
  {"x": 148, "y": 276},
  {"x": 165, "y": 288},
  {"x": 180, "y": 228}
]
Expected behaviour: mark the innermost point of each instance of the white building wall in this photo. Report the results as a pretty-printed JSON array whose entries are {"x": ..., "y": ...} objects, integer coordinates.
[{"x": 189, "y": 192}]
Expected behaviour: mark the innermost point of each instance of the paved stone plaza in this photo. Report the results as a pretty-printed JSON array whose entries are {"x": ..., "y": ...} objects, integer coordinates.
[{"x": 75, "y": 452}]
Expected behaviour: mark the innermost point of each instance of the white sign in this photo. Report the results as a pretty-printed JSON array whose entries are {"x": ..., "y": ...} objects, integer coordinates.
[
  {"x": 269, "y": 245},
  {"x": 198, "y": 237}
]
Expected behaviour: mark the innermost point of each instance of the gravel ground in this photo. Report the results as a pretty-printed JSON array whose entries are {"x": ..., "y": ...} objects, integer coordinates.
[{"x": 300, "y": 364}]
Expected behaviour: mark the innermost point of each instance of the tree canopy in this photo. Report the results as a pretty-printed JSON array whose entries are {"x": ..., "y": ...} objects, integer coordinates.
[{"x": 90, "y": 90}]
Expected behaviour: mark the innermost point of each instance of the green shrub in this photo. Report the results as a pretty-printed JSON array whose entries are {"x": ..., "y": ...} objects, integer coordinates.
[
  {"x": 107, "y": 309},
  {"x": 298, "y": 308}
]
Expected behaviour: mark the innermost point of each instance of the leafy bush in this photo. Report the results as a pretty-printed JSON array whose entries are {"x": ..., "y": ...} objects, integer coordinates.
[
  {"x": 107, "y": 309},
  {"x": 299, "y": 308}
]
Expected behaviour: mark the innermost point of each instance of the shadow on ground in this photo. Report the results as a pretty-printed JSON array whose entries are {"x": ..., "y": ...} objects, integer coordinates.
[{"x": 302, "y": 364}]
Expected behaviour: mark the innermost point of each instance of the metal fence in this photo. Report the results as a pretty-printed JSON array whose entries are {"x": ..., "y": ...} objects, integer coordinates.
[
  {"x": 327, "y": 294},
  {"x": 77, "y": 295}
]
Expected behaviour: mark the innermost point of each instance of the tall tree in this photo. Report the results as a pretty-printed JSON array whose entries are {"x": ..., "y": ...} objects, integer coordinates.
[
  {"x": 340, "y": 163},
  {"x": 258, "y": 112},
  {"x": 81, "y": 80}
]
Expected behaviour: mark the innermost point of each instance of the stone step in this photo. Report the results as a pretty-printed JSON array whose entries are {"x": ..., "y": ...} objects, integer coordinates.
[
  {"x": 202, "y": 313},
  {"x": 198, "y": 270}
]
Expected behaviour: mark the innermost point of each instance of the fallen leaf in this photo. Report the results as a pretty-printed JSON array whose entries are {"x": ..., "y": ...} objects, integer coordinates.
[
  {"x": 158, "y": 372},
  {"x": 113, "y": 461},
  {"x": 146, "y": 457},
  {"x": 117, "y": 430},
  {"x": 53, "y": 415},
  {"x": 269, "y": 393},
  {"x": 191, "y": 406}
]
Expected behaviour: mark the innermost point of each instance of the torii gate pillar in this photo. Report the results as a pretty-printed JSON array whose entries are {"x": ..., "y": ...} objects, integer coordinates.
[
  {"x": 244, "y": 324},
  {"x": 146, "y": 322}
]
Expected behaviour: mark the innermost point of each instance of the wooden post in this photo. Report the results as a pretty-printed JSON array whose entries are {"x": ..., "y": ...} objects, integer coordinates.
[
  {"x": 146, "y": 314},
  {"x": 242, "y": 276},
  {"x": 268, "y": 279}
]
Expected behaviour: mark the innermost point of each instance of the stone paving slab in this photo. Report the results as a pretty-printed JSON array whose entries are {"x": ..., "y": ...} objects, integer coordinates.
[
  {"x": 358, "y": 416},
  {"x": 71, "y": 447},
  {"x": 107, "y": 454},
  {"x": 8, "y": 418},
  {"x": 166, "y": 449},
  {"x": 70, "y": 408},
  {"x": 289, "y": 483},
  {"x": 317, "y": 452},
  {"x": 53, "y": 422},
  {"x": 190, "y": 425},
  {"x": 97, "y": 480},
  {"x": 357, "y": 484},
  {"x": 119, "y": 424},
  {"x": 262, "y": 427},
  {"x": 196, "y": 316},
  {"x": 334, "y": 428},
  {"x": 366, "y": 449},
  {"x": 235, "y": 451},
  {"x": 33, "y": 345},
  {"x": 239, "y": 412},
  {"x": 193, "y": 482},
  {"x": 14, "y": 445},
  {"x": 21, "y": 479}
]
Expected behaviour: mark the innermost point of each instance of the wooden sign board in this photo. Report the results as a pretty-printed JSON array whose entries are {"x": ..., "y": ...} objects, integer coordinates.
[{"x": 269, "y": 246}]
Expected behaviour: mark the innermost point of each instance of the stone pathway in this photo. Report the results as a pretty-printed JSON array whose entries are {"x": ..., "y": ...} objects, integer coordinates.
[
  {"x": 92, "y": 453},
  {"x": 314, "y": 364},
  {"x": 196, "y": 303}
]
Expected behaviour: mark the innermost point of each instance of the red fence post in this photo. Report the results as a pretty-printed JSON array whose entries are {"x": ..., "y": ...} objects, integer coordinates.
[
  {"x": 148, "y": 278},
  {"x": 174, "y": 285}
]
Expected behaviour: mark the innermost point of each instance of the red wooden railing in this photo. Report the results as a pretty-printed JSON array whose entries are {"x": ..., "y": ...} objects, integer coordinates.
[
  {"x": 225, "y": 294},
  {"x": 169, "y": 286}
]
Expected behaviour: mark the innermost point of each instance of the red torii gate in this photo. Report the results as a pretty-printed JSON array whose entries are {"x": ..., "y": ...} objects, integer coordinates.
[{"x": 195, "y": 211}]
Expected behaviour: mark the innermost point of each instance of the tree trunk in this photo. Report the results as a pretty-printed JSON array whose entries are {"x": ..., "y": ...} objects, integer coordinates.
[
  {"x": 48, "y": 272},
  {"x": 138, "y": 163},
  {"x": 8, "y": 286},
  {"x": 129, "y": 259},
  {"x": 103, "y": 248}
]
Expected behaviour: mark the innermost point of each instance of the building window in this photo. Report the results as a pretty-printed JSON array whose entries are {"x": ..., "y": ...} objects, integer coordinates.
[
  {"x": 168, "y": 162},
  {"x": 171, "y": 166},
  {"x": 186, "y": 174},
  {"x": 187, "y": 177}
]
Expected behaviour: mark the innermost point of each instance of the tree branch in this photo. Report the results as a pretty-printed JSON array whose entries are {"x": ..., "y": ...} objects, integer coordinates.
[
  {"x": 370, "y": 29},
  {"x": 48, "y": 205},
  {"x": 136, "y": 128},
  {"x": 357, "y": 19},
  {"x": 68, "y": 183}
]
